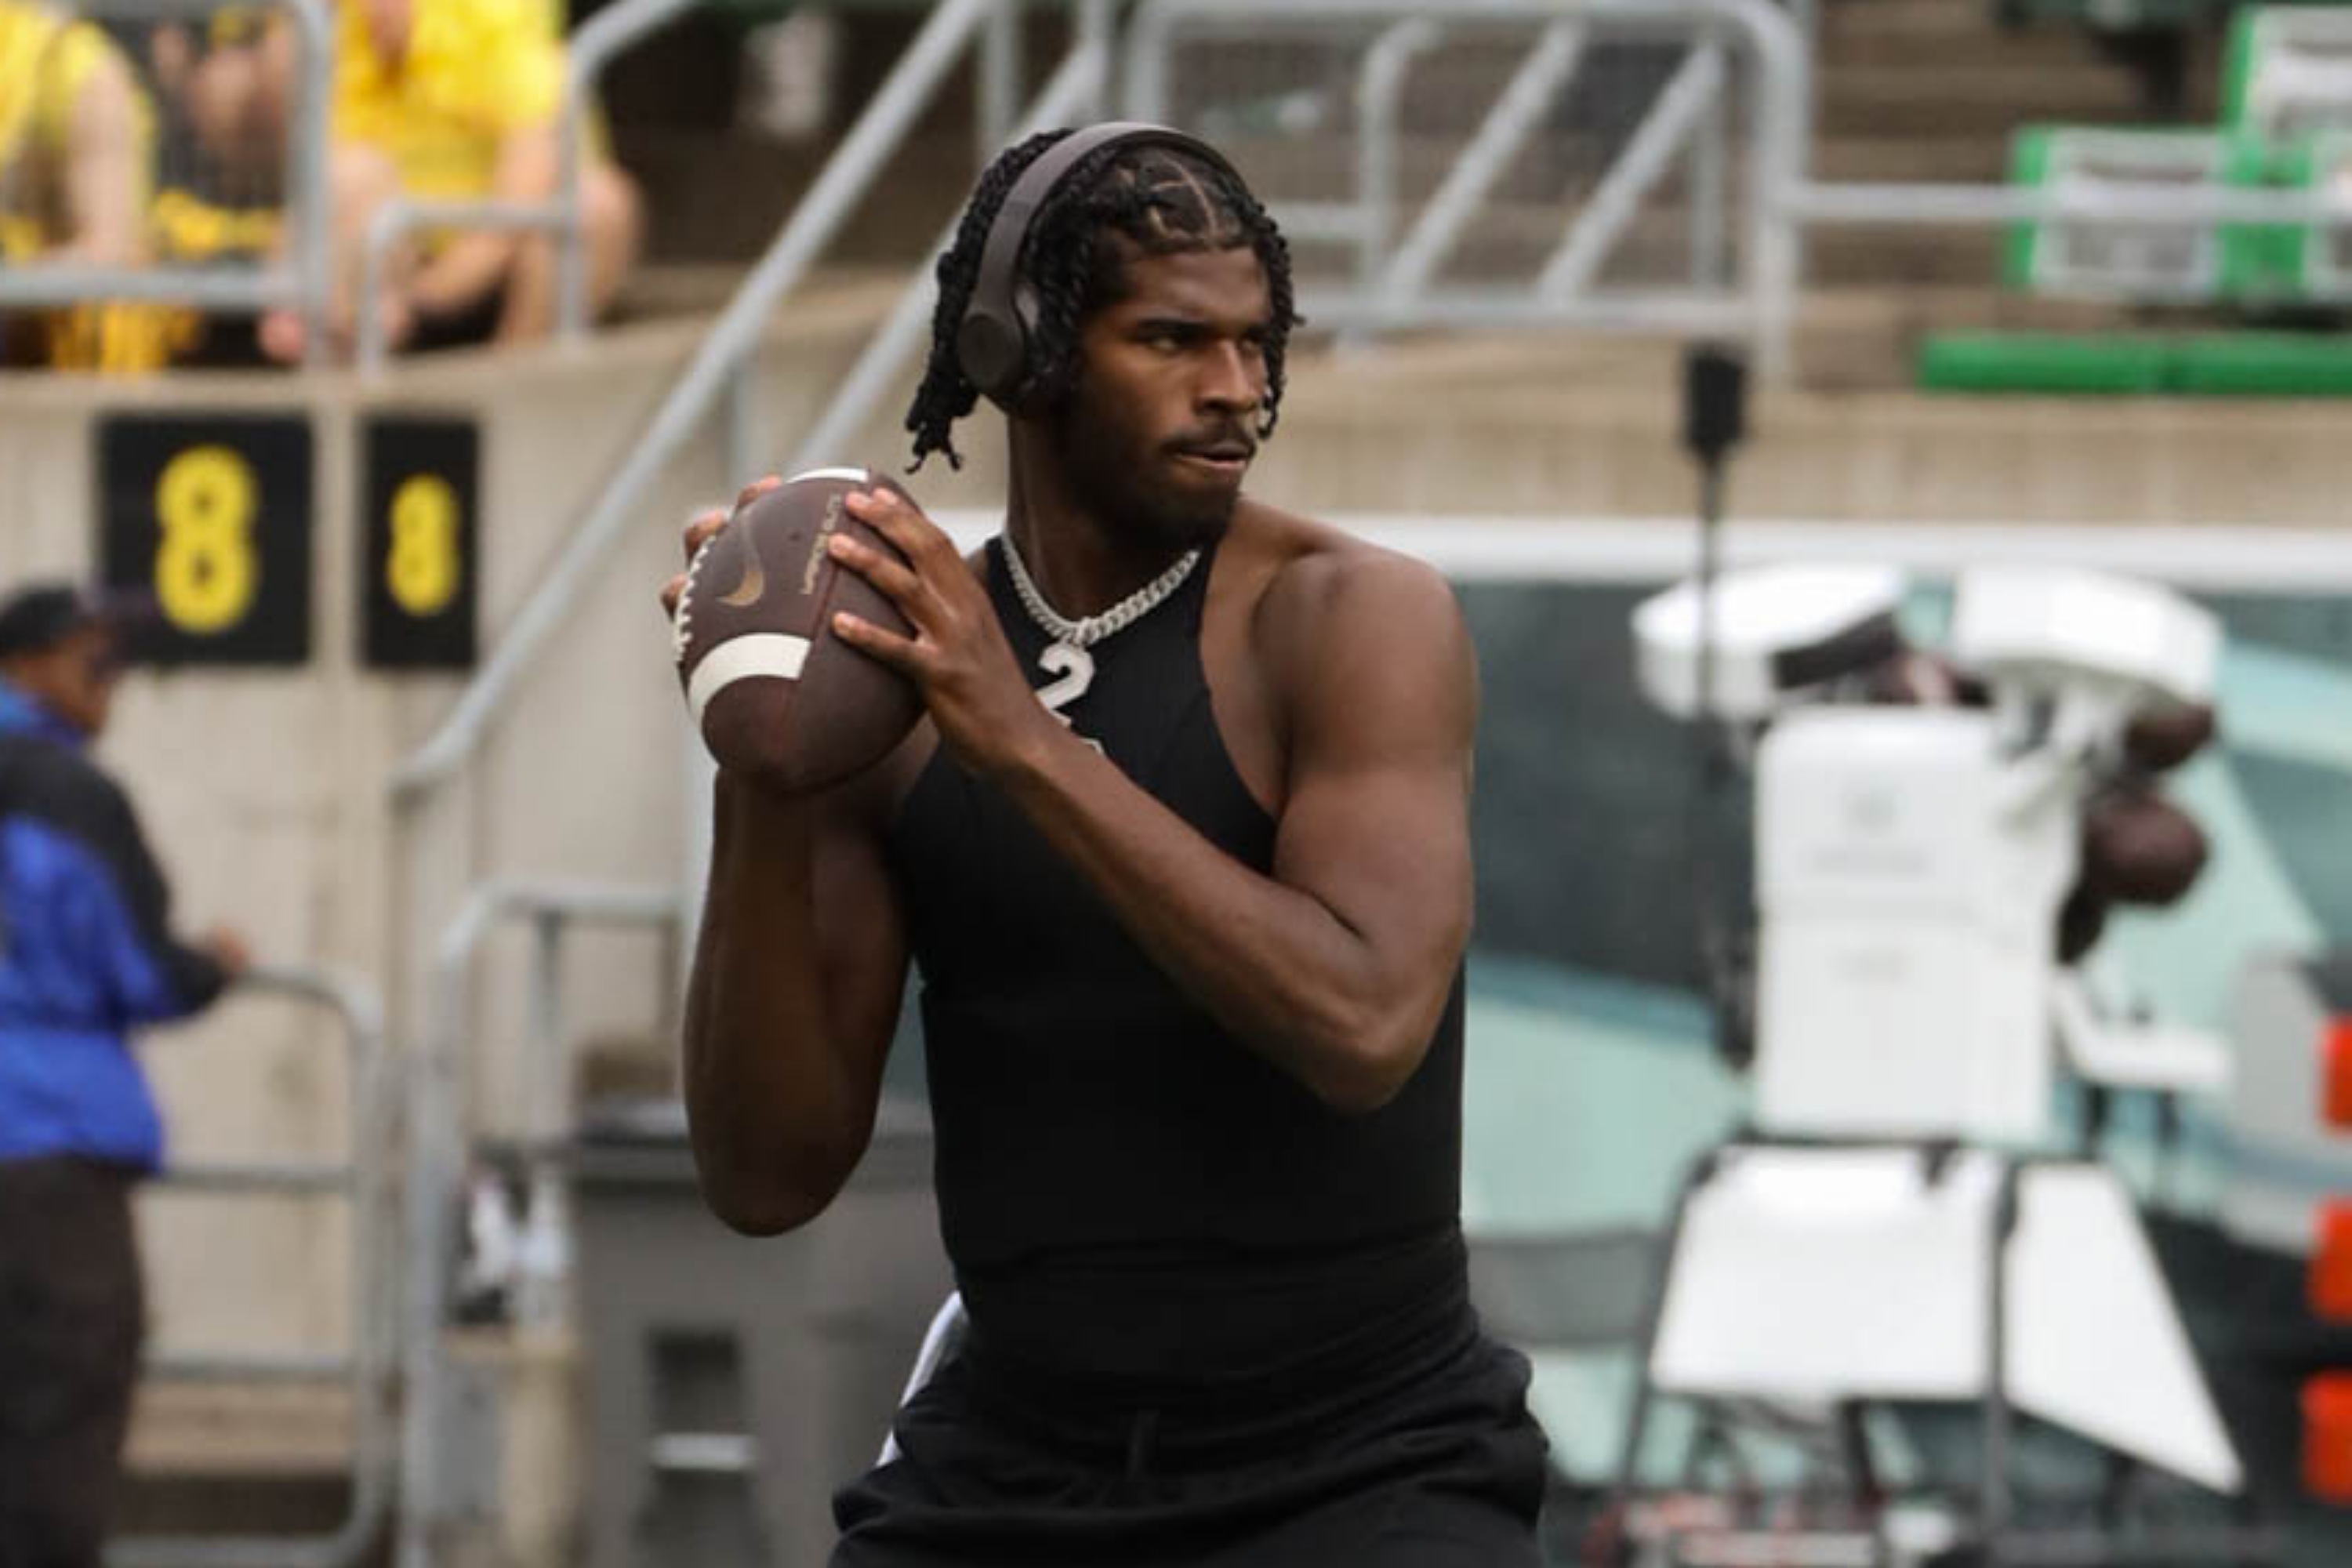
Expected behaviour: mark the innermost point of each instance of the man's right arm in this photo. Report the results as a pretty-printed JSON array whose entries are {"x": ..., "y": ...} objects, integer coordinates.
[{"x": 792, "y": 1002}]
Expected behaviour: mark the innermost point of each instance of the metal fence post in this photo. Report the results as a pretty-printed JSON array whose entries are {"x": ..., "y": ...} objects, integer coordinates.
[{"x": 359, "y": 1013}]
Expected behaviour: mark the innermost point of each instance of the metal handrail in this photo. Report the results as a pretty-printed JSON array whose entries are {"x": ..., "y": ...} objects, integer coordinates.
[
  {"x": 1694, "y": 89},
  {"x": 436, "y": 1155},
  {"x": 1501, "y": 133},
  {"x": 889, "y": 115},
  {"x": 1379, "y": 94},
  {"x": 1765, "y": 309},
  {"x": 305, "y": 284},
  {"x": 588, "y": 51},
  {"x": 360, "y": 1011},
  {"x": 1916, "y": 205},
  {"x": 1078, "y": 82},
  {"x": 402, "y": 215}
]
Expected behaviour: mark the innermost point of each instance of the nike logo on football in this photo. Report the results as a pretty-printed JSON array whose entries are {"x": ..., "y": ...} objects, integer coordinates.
[{"x": 746, "y": 593}]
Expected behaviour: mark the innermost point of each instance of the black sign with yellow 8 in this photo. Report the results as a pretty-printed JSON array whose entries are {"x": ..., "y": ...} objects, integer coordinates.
[
  {"x": 417, "y": 480},
  {"x": 211, "y": 516}
]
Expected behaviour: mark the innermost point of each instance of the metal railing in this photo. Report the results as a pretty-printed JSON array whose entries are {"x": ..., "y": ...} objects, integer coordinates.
[
  {"x": 366, "y": 1367},
  {"x": 889, "y": 115},
  {"x": 589, "y": 50},
  {"x": 1397, "y": 282},
  {"x": 438, "y": 1146},
  {"x": 300, "y": 281}
]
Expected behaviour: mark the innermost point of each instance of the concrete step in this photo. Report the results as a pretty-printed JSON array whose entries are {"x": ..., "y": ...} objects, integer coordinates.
[
  {"x": 212, "y": 1460},
  {"x": 1893, "y": 258},
  {"x": 1867, "y": 339},
  {"x": 220, "y": 1429},
  {"x": 204, "y": 1506},
  {"x": 1917, "y": 19},
  {"x": 1983, "y": 44},
  {"x": 1511, "y": 243},
  {"x": 716, "y": 195},
  {"x": 1936, "y": 100},
  {"x": 1971, "y": 159}
]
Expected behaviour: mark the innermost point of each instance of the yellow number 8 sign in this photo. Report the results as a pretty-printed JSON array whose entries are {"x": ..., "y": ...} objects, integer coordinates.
[
  {"x": 423, "y": 569},
  {"x": 207, "y": 569},
  {"x": 419, "y": 476},
  {"x": 207, "y": 517}
]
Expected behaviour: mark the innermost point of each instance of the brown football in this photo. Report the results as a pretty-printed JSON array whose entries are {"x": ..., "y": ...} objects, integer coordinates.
[{"x": 777, "y": 695}]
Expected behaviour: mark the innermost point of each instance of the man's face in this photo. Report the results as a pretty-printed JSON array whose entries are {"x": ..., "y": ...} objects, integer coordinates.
[
  {"x": 74, "y": 677},
  {"x": 1172, "y": 382}
]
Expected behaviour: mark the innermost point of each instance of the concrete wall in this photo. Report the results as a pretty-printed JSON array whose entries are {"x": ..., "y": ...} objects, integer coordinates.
[{"x": 264, "y": 792}]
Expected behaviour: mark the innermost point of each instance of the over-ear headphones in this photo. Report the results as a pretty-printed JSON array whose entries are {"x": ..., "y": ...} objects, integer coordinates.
[{"x": 993, "y": 339}]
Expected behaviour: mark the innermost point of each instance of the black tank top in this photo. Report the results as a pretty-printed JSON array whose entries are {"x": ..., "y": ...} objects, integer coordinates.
[{"x": 1130, "y": 1196}]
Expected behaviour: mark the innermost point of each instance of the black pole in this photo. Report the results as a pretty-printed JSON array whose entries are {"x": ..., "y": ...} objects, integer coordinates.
[{"x": 1714, "y": 420}]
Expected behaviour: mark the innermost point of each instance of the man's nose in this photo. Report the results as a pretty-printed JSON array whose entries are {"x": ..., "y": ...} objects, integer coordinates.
[{"x": 1233, "y": 379}]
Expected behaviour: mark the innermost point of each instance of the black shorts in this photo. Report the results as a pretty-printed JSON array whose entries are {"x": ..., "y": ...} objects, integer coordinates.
[
  {"x": 72, "y": 1318},
  {"x": 1446, "y": 1471}
]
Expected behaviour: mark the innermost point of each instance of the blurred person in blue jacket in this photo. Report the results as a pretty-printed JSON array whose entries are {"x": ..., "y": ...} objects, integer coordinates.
[{"x": 87, "y": 956}]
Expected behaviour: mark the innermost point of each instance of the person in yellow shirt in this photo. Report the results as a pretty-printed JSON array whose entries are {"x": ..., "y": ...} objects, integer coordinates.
[
  {"x": 459, "y": 99},
  {"x": 77, "y": 143},
  {"x": 76, "y": 162}
]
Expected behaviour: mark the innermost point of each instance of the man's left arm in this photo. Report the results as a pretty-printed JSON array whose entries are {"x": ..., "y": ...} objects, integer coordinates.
[{"x": 1336, "y": 965}]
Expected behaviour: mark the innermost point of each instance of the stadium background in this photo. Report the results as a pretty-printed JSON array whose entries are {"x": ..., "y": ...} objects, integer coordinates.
[{"x": 268, "y": 784}]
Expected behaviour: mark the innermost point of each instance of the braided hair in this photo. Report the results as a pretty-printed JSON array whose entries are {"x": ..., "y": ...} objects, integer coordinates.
[{"x": 1159, "y": 199}]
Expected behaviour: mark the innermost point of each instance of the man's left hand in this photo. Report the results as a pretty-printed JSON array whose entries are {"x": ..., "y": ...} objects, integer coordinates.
[{"x": 987, "y": 715}]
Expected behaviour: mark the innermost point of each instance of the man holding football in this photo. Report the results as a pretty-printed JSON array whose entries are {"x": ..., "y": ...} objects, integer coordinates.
[{"x": 1179, "y": 848}]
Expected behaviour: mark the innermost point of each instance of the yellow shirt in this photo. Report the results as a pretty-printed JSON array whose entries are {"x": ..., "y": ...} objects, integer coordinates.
[
  {"x": 46, "y": 61},
  {"x": 476, "y": 71}
]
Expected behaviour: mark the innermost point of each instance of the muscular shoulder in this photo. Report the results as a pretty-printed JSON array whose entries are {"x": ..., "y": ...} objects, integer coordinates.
[
  {"x": 1318, "y": 582},
  {"x": 1339, "y": 620}
]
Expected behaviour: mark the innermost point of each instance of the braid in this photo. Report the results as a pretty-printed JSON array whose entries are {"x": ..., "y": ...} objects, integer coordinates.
[{"x": 1159, "y": 199}]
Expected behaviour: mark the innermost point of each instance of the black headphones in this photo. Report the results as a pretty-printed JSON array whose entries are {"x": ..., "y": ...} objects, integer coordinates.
[{"x": 992, "y": 340}]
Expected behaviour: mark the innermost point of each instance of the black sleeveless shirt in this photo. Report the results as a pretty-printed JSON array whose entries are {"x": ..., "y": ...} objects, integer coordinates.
[{"x": 1132, "y": 1198}]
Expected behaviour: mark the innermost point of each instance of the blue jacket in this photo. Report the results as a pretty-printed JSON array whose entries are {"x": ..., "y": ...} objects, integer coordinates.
[{"x": 85, "y": 954}]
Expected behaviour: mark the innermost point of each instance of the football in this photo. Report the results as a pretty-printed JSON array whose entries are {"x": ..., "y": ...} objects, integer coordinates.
[{"x": 776, "y": 694}]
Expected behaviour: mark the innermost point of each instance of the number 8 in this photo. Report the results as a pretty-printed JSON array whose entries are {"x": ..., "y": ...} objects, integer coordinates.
[
  {"x": 422, "y": 570},
  {"x": 206, "y": 572}
]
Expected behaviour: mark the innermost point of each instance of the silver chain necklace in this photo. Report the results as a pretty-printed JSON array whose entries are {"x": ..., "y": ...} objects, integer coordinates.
[{"x": 1066, "y": 656}]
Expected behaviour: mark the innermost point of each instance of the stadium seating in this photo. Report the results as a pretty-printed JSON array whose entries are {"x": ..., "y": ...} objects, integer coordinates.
[{"x": 2285, "y": 124}]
